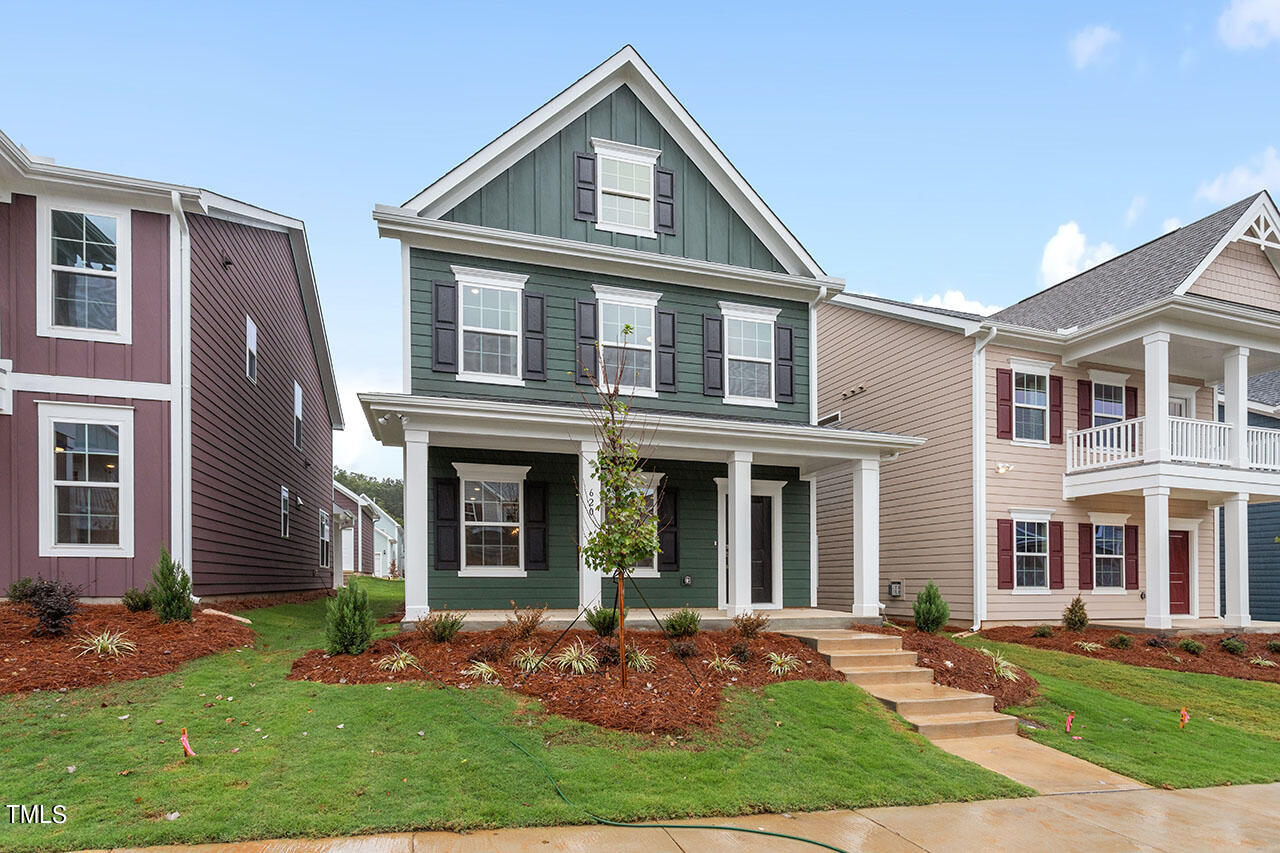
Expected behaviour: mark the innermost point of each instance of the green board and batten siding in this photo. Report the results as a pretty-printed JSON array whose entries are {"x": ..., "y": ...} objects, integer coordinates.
[
  {"x": 535, "y": 195},
  {"x": 561, "y": 288},
  {"x": 696, "y": 519}
]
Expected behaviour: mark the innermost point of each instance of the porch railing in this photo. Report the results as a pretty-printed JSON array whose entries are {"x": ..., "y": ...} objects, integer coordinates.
[
  {"x": 1264, "y": 448},
  {"x": 1105, "y": 446},
  {"x": 1201, "y": 442}
]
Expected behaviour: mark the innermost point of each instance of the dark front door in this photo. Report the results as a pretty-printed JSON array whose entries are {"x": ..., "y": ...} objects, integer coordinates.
[
  {"x": 1179, "y": 571},
  {"x": 761, "y": 549}
]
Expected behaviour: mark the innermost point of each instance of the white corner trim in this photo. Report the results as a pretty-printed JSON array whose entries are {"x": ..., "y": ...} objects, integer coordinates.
[
  {"x": 1030, "y": 514},
  {"x": 406, "y": 324},
  {"x": 978, "y": 431},
  {"x": 1107, "y": 377},
  {"x": 6, "y": 386},
  {"x": 1030, "y": 365},
  {"x": 755, "y": 313},
  {"x": 627, "y": 296},
  {"x": 123, "y": 215},
  {"x": 1113, "y": 519},
  {"x": 624, "y": 151},
  {"x": 488, "y": 278}
]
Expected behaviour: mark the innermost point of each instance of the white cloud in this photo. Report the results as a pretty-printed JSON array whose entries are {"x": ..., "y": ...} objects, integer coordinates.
[
  {"x": 955, "y": 300},
  {"x": 1249, "y": 24},
  {"x": 1068, "y": 252},
  {"x": 355, "y": 448},
  {"x": 1171, "y": 224},
  {"x": 1136, "y": 207},
  {"x": 1087, "y": 46},
  {"x": 1259, "y": 173}
]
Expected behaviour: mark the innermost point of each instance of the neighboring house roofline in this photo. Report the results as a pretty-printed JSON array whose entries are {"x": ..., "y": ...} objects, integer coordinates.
[
  {"x": 625, "y": 67},
  {"x": 941, "y": 318}
]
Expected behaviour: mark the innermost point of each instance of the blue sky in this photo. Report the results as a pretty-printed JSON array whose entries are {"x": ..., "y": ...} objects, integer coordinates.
[{"x": 980, "y": 148}]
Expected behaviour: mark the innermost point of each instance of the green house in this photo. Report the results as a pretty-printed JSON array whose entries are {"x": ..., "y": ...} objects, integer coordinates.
[{"x": 608, "y": 209}]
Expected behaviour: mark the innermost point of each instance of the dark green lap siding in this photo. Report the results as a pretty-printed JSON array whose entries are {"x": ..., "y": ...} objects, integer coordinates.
[{"x": 1264, "y": 551}]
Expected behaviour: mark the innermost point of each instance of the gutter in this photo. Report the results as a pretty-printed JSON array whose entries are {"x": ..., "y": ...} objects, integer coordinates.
[
  {"x": 181, "y": 478},
  {"x": 979, "y": 430}
]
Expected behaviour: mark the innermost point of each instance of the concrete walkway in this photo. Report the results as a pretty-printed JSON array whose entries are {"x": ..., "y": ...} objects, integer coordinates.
[{"x": 1242, "y": 817}]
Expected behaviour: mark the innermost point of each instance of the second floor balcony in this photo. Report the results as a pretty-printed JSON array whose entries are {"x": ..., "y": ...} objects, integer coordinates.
[{"x": 1190, "y": 441}]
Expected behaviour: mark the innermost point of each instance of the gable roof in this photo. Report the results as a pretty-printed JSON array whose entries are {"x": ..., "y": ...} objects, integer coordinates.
[
  {"x": 623, "y": 68},
  {"x": 928, "y": 315},
  {"x": 1160, "y": 268}
]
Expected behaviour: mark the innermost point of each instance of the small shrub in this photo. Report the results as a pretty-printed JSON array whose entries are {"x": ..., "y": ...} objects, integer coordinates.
[
  {"x": 1159, "y": 641},
  {"x": 1120, "y": 641},
  {"x": 136, "y": 600},
  {"x": 1232, "y": 645},
  {"x": 523, "y": 621},
  {"x": 1042, "y": 631},
  {"x": 641, "y": 661},
  {"x": 398, "y": 661},
  {"x": 576, "y": 658},
  {"x": 110, "y": 643},
  {"x": 750, "y": 625},
  {"x": 1088, "y": 646},
  {"x": 740, "y": 651},
  {"x": 683, "y": 649},
  {"x": 603, "y": 620},
  {"x": 1258, "y": 660},
  {"x": 348, "y": 626},
  {"x": 1001, "y": 666},
  {"x": 781, "y": 664},
  {"x": 20, "y": 589},
  {"x": 931, "y": 612},
  {"x": 683, "y": 623},
  {"x": 606, "y": 652},
  {"x": 482, "y": 670},
  {"x": 490, "y": 652},
  {"x": 171, "y": 590},
  {"x": 53, "y": 603},
  {"x": 1075, "y": 617},
  {"x": 441, "y": 625},
  {"x": 1273, "y": 646},
  {"x": 1190, "y": 646},
  {"x": 724, "y": 664},
  {"x": 528, "y": 659}
]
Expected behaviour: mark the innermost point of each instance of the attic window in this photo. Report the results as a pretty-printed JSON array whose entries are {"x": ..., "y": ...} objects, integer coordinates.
[{"x": 625, "y": 187}]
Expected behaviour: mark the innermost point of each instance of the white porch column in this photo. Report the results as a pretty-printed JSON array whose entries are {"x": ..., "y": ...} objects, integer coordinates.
[
  {"x": 589, "y": 581},
  {"x": 1236, "y": 526},
  {"x": 866, "y": 538},
  {"x": 1156, "y": 382},
  {"x": 1235, "y": 386},
  {"x": 417, "y": 486},
  {"x": 1156, "y": 523},
  {"x": 738, "y": 592}
]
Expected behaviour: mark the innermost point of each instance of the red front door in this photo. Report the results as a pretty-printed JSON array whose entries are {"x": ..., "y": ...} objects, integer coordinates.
[{"x": 1179, "y": 571}]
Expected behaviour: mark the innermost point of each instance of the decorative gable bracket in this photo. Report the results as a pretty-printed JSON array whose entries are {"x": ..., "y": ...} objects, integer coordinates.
[{"x": 1262, "y": 231}]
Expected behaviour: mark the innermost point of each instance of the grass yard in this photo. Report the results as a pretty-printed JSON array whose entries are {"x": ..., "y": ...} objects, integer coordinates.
[
  {"x": 1127, "y": 719},
  {"x": 298, "y": 758}
]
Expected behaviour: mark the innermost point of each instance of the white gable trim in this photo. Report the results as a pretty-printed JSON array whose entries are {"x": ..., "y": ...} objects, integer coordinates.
[
  {"x": 1262, "y": 204},
  {"x": 624, "y": 67}
]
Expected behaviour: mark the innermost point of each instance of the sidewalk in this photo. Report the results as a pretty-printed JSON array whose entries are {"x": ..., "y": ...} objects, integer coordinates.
[{"x": 1242, "y": 817}]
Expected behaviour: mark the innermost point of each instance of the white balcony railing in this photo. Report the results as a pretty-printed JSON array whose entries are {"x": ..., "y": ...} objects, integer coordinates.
[
  {"x": 1264, "y": 448},
  {"x": 1201, "y": 442},
  {"x": 1105, "y": 446}
]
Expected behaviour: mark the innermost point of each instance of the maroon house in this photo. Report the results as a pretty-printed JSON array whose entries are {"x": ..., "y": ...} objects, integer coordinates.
[
  {"x": 165, "y": 380},
  {"x": 353, "y": 519}
]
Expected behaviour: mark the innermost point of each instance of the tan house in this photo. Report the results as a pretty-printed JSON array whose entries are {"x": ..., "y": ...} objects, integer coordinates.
[{"x": 1072, "y": 439}]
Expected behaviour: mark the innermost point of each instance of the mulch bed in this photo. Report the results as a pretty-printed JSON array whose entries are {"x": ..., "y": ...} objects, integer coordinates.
[
  {"x": 1214, "y": 660},
  {"x": 255, "y": 601},
  {"x": 663, "y": 701},
  {"x": 961, "y": 667},
  {"x": 30, "y": 663}
]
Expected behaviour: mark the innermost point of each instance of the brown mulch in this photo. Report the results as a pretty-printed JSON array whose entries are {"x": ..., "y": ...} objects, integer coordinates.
[
  {"x": 961, "y": 667},
  {"x": 665, "y": 700},
  {"x": 255, "y": 601},
  {"x": 30, "y": 663},
  {"x": 1214, "y": 660}
]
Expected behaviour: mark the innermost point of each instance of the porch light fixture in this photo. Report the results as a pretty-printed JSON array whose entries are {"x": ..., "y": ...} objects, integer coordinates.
[{"x": 1003, "y": 467}]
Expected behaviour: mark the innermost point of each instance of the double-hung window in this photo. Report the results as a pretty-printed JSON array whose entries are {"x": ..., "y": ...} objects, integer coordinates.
[
  {"x": 492, "y": 519},
  {"x": 83, "y": 281},
  {"x": 1108, "y": 556},
  {"x": 1030, "y": 403},
  {"x": 326, "y": 541},
  {"x": 1030, "y": 554},
  {"x": 489, "y": 305},
  {"x": 749, "y": 354},
  {"x": 250, "y": 350},
  {"x": 627, "y": 338},
  {"x": 625, "y": 187},
  {"x": 651, "y": 483},
  {"x": 284, "y": 512},
  {"x": 86, "y": 480},
  {"x": 297, "y": 415},
  {"x": 1108, "y": 404}
]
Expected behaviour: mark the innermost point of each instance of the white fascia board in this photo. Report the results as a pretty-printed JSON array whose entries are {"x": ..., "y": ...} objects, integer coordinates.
[
  {"x": 338, "y": 487},
  {"x": 913, "y": 314},
  {"x": 478, "y": 241}
]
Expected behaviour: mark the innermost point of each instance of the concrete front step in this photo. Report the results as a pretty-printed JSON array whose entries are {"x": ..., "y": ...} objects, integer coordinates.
[
  {"x": 914, "y": 700},
  {"x": 969, "y": 724},
  {"x": 835, "y": 642},
  {"x": 870, "y": 658},
  {"x": 869, "y": 677}
]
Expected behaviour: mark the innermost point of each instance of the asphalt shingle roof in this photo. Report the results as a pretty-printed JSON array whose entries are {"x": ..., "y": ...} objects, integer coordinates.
[
  {"x": 962, "y": 315},
  {"x": 1265, "y": 388}
]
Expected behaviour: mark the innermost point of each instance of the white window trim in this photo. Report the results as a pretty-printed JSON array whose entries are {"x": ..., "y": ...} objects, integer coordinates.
[
  {"x": 1185, "y": 393},
  {"x": 767, "y": 488},
  {"x": 85, "y": 413},
  {"x": 1038, "y": 516},
  {"x": 286, "y": 514},
  {"x": 752, "y": 314},
  {"x": 1093, "y": 398},
  {"x": 1039, "y": 368},
  {"x": 493, "y": 473},
  {"x": 250, "y": 348},
  {"x": 1108, "y": 519},
  {"x": 298, "y": 424},
  {"x": 326, "y": 537},
  {"x": 473, "y": 277},
  {"x": 1108, "y": 377},
  {"x": 608, "y": 149},
  {"x": 123, "y": 332},
  {"x": 653, "y": 480},
  {"x": 639, "y": 299}
]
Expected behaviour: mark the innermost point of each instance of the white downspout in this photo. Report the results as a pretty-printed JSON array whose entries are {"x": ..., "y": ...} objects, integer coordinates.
[
  {"x": 979, "y": 428},
  {"x": 180, "y": 411}
]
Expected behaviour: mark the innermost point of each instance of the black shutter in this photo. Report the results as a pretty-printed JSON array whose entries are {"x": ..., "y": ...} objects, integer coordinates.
[
  {"x": 444, "y": 492},
  {"x": 535, "y": 527},
  {"x": 784, "y": 383},
  {"x": 444, "y": 326},
  {"x": 664, "y": 201},
  {"x": 668, "y": 532},
  {"x": 585, "y": 318},
  {"x": 713, "y": 355},
  {"x": 584, "y": 187},
  {"x": 666, "y": 375},
  {"x": 535, "y": 336}
]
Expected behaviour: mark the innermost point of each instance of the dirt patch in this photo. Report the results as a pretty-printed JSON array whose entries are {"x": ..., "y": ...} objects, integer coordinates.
[
  {"x": 963, "y": 668},
  {"x": 47, "y": 663},
  {"x": 255, "y": 601},
  {"x": 1214, "y": 660},
  {"x": 665, "y": 700}
]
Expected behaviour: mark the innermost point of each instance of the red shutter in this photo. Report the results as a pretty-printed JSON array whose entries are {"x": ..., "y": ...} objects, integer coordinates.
[
  {"x": 1084, "y": 404},
  {"x": 1056, "y": 569},
  {"x": 1086, "y": 556},
  {"x": 1004, "y": 553},
  {"x": 1004, "y": 403},
  {"x": 1130, "y": 556},
  {"x": 1055, "y": 410},
  {"x": 1130, "y": 403}
]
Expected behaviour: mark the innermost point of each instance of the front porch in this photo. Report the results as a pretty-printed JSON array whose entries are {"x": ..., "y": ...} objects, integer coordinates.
[{"x": 1181, "y": 625}]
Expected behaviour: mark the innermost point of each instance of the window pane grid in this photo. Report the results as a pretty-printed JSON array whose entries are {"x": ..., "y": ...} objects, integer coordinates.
[
  {"x": 490, "y": 309},
  {"x": 1030, "y": 406},
  {"x": 1108, "y": 555},
  {"x": 491, "y": 518},
  {"x": 490, "y": 330},
  {"x": 1108, "y": 404},
  {"x": 1031, "y": 554},
  {"x": 86, "y": 453}
]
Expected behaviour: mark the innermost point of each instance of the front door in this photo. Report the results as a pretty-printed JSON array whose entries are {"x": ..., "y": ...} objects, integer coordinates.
[
  {"x": 1179, "y": 572},
  {"x": 761, "y": 549}
]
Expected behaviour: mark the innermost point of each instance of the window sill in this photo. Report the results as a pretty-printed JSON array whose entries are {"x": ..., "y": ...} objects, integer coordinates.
[
  {"x": 86, "y": 551},
  {"x": 75, "y": 333},
  {"x": 646, "y": 574},
  {"x": 1029, "y": 442},
  {"x": 626, "y": 229},
  {"x": 492, "y": 573},
  {"x": 1032, "y": 591},
  {"x": 637, "y": 392},
  {"x": 1110, "y": 591},
  {"x": 491, "y": 379},
  {"x": 750, "y": 401}
]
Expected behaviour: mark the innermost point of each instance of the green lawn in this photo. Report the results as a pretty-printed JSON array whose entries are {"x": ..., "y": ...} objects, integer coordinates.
[
  {"x": 801, "y": 745},
  {"x": 1127, "y": 719}
]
